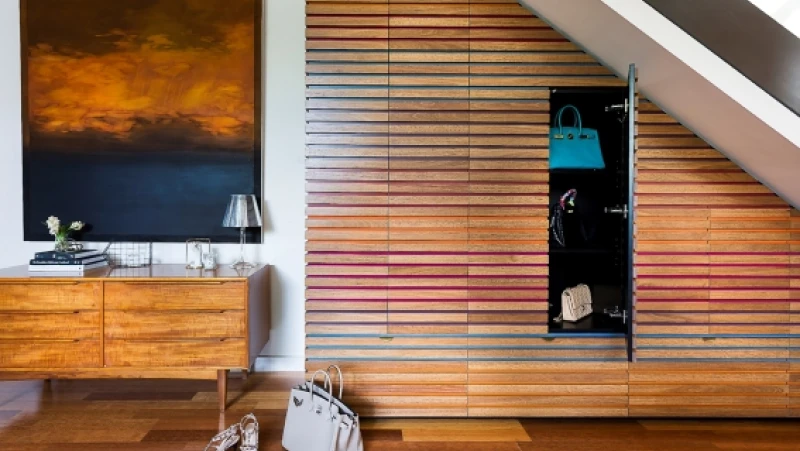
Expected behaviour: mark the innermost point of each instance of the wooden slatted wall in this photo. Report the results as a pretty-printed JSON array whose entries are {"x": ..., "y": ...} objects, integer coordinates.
[
  {"x": 387, "y": 223},
  {"x": 714, "y": 277},
  {"x": 515, "y": 367},
  {"x": 427, "y": 209},
  {"x": 427, "y": 231},
  {"x": 794, "y": 328}
]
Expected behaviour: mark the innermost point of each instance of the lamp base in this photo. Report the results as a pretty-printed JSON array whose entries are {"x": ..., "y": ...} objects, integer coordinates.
[{"x": 241, "y": 264}]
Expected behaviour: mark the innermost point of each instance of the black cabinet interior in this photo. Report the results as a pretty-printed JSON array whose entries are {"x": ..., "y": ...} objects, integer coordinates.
[{"x": 596, "y": 240}]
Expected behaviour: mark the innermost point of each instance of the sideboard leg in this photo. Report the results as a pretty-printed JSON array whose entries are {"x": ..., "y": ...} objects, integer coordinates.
[{"x": 222, "y": 388}]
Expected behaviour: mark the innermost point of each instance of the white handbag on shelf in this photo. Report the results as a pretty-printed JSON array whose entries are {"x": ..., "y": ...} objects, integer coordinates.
[
  {"x": 318, "y": 421},
  {"x": 576, "y": 303}
]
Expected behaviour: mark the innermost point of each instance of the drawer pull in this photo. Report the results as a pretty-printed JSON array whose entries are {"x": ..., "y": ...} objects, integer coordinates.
[
  {"x": 386, "y": 338},
  {"x": 709, "y": 338},
  {"x": 53, "y": 283},
  {"x": 168, "y": 283},
  {"x": 548, "y": 338}
]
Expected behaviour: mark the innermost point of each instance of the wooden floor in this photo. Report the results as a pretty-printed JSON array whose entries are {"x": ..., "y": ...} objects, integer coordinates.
[{"x": 182, "y": 415}]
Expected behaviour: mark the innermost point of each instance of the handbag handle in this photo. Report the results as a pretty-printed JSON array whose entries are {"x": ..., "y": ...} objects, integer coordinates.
[
  {"x": 571, "y": 195},
  {"x": 578, "y": 122},
  {"x": 327, "y": 383},
  {"x": 341, "y": 379}
]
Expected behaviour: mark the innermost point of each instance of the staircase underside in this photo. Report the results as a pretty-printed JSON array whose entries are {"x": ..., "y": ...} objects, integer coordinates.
[{"x": 690, "y": 83}]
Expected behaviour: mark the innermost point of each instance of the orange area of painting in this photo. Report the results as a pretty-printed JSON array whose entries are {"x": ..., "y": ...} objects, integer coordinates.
[{"x": 148, "y": 81}]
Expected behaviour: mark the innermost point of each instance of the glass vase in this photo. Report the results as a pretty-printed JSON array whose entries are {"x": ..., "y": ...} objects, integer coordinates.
[{"x": 62, "y": 244}]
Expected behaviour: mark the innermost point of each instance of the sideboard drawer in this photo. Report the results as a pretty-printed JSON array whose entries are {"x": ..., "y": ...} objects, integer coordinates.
[
  {"x": 50, "y": 325},
  {"x": 55, "y": 296},
  {"x": 175, "y": 296},
  {"x": 50, "y": 354},
  {"x": 226, "y": 353},
  {"x": 174, "y": 324}
]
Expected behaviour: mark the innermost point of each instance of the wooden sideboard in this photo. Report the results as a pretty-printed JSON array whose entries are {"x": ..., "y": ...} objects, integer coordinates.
[{"x": 162, "y": 321}]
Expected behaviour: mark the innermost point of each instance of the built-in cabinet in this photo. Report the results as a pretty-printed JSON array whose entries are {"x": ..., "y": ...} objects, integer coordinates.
[
  {"x": 595, "y": 247},
  {"x": 595, "y": 228},
  {"x": 431, "y": 278}
]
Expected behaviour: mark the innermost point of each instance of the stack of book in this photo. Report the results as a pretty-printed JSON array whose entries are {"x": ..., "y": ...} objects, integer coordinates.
[{"x": 67, "y": 262}]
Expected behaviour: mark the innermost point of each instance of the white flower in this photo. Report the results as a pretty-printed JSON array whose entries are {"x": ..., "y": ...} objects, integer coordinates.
[
  {"x": 77, "y": 225},
  {"x": 53, "y": 223}
]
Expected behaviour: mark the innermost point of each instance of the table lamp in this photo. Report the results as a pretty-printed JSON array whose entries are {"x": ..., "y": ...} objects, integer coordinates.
[{"x": 242, "y": 213}]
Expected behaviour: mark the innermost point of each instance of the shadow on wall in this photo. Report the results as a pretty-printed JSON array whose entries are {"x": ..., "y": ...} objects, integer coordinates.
[
  {"x": 278, "y": 301},
  {"x": 266, "y": 218}
]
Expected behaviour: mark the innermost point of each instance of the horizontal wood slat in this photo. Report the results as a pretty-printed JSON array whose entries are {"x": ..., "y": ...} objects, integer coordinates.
[
  {"x": 415, "y": 389},
  {"x": 548, "y": 389},
  {"x": 708, "y": 390},
  {"x": 794, "y": 383}
]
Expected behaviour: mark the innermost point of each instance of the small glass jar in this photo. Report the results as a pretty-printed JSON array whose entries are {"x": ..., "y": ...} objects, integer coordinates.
[
  {"x": 209, "y": 262},
  {"x": 195, "y": 251}
]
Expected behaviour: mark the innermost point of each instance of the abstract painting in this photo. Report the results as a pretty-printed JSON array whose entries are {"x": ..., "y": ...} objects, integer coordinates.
[{"x": 140, "y": 117}]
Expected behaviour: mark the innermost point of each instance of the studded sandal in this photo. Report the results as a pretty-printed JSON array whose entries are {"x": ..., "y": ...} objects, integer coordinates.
[
  {"x": 224, "y": 440},
  {"x": 248, "y": 428}
]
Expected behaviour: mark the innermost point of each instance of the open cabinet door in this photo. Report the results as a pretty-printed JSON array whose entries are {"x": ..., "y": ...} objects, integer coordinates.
[{"x": 629, "y": 241}]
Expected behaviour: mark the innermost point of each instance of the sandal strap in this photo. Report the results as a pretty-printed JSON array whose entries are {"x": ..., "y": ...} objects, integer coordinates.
[{"x": 224, "y": 440}]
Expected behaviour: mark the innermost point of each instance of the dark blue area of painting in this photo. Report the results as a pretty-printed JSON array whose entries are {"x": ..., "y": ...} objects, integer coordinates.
[{"x": 154, "y": 196}]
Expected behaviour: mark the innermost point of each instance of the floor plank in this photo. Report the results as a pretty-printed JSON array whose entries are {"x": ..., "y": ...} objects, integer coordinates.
[{"x": 158, "y": 415}]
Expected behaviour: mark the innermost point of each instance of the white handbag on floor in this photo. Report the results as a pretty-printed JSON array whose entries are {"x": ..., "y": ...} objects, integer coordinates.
[
  {"x": 317, "y": 421},
  {"x": 576, "y": 303}
]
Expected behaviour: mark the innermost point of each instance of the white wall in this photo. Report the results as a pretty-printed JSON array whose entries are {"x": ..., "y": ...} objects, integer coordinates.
[{"x": 283, "y": 245}]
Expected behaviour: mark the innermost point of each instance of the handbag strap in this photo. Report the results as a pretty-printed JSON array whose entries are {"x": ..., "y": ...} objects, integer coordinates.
[
  {"x": 341, "y": 379},
  {"x": 557, "y": 224},
  {"x": 578, "y": 122}
]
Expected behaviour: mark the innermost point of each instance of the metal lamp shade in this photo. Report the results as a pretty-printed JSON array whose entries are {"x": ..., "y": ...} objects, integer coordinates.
[{"x": 242, "y": 212}]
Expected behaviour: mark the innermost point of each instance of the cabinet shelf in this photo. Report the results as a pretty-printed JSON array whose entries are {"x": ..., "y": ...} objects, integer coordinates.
[
  {"x": 597, "y": 322},
  {"x": 581, "y": 251},
  {"x": 585, "y": 172},
  {"x": 580, "y": 171}
]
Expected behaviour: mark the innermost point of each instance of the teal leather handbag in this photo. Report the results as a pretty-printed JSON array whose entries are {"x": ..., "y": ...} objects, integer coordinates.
[{"x": 574, "y": 147}]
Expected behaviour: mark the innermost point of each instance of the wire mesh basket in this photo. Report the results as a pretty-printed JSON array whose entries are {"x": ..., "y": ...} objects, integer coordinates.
[{"x": 129, "y": 255}]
